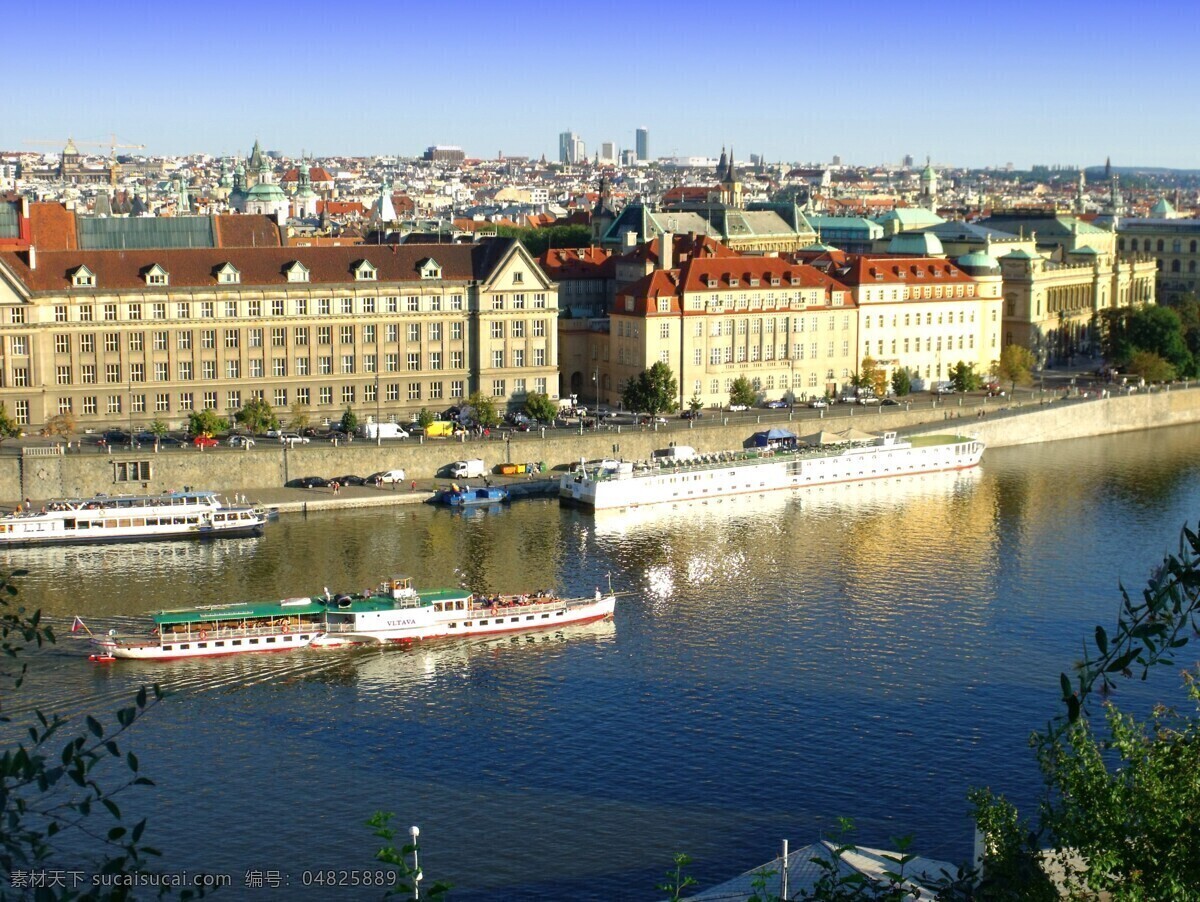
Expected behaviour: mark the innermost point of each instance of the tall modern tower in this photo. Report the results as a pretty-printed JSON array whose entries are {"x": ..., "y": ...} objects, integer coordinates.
[
  {"x": 643, "y": 143},
  {"x": 571, "y": 149}
]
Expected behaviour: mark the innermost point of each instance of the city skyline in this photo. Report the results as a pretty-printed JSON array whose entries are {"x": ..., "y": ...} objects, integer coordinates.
[{"x": 1034, "y": 85}]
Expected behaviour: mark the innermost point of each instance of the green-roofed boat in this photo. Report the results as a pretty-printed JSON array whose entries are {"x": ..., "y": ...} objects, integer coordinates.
[{"x": 393, "y": 612}]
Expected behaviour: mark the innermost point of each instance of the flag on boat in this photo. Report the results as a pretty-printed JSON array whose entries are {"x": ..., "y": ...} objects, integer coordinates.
[{"x": 77, "y": 625}]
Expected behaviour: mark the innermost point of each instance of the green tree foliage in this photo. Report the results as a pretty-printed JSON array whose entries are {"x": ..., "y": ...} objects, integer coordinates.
[
  {"x": 257, "y": 416},
  {"x": 51, "y": 792},
  {"x": 902, "y": 382},
  {"x": 1187, "y": 307},
  {"x": 425, "y": 417},
  {"x": 1124, "y": 331},
  {"x": 483, "y": 410},
  {"x": 158, "y": 428},
  {"x": 1151, "y": 367},
  {"x": 409, "y": 881},
  {"x": 537, "y": 241},
  {"x": 694, "y": 403},
  {"x": 677, "y": 881},
  {"x": 206, "y": 422},
  {"x": 652, "y": 391},
  {"x": 964, "y": 377},
  {"x": 1015, "y": 366},
  {"x": 298, "y": 417},
  {"x": 8, "y": 426},
  {"x": 741, "y": 391},
  {"x": 349, "y": 421},
  {"x": 1127, "y": 804},
  {"x": 538, "y": 406}
]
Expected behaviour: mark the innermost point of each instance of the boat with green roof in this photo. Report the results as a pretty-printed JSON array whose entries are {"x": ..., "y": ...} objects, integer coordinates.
[{"x": 394, "y": 612}]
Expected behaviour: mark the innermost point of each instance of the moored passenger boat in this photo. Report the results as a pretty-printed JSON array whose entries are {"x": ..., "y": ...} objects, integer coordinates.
[
  {"x": 683, "y": 475},
  {"x": 393, "y": 612},
  {"x": 465, "y": 496},
  {"x": 130, "y": 518}
]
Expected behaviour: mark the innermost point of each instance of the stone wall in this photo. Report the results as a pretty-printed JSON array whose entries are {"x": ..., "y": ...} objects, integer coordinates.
[{"x": 45, "y": 473}]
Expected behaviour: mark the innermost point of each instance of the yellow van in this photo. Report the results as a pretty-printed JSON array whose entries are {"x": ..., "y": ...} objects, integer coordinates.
[{"x": 440, "y": 429}]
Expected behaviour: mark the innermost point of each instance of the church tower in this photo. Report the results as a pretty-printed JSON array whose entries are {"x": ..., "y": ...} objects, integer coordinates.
[
  {"x": 929, "y": 187},
  {"x": 731, "y": 188}
]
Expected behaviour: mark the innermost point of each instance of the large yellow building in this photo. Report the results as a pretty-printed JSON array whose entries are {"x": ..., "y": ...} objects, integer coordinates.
[
  {"x": 784, "y": 326},
  {"x": 127, "y": 337}
]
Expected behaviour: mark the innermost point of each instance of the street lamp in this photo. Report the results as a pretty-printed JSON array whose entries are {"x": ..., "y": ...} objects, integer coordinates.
[
  {"x": 415, "y": 831},
  {"x": 378, "y": 408}
]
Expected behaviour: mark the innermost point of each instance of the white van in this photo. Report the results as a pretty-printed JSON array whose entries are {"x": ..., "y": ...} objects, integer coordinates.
[
  {"x": 383, "y": 430},
  {"x": 468, "y": 469}
]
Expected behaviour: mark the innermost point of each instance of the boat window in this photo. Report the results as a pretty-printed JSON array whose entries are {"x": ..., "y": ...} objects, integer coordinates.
[
  {"x": 529, "y": 617},
  {"x": 544, "y": 616},
  {"x": 254, "y": 642},
  {"x": 184, "y": 647},
  {"x": 453, "y": 625},
  {"x": 219, "y": 644},
  {"x": 287, "y": 638},
  {"x": 270, "y": 638},
  {"x": 483, "y": 623},
  {"x": 237, "y": 641},
  {"x": 469, "y": 623},
  {"x": 437, "y": 608},
  {"x": 513, "y": 619}
]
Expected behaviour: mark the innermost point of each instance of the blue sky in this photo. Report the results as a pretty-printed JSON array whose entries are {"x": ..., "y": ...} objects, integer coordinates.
[{"x": 982, "y": 85}]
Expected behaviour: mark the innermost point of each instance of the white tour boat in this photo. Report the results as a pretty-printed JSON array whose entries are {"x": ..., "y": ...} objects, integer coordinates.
[
  {"x": 394, "y": 612},
  {"x": 128, "y": 518},
  {"x": 680, "y": 474}
]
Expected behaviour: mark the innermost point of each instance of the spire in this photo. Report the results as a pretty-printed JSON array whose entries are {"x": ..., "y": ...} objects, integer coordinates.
[
  {"x": 731, "y": 176},
  {"x": 722, "y": 164}
]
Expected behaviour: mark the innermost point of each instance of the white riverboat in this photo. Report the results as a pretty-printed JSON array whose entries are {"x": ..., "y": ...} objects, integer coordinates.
[
  {"x": 393, "y": 612},
  {"x": 679, "y": 474},
  {"x": 131, "y": 518}
]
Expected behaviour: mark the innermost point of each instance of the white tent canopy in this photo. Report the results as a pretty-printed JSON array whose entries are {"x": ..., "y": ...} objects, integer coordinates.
[{"x": 803, "y": 873}]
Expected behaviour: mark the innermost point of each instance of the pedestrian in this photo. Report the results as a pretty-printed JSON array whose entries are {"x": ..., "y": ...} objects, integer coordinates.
[
  {"x": 335, "y": 485},
  {"x": 394, "y": 481},
  {"x": 412, "y": 486}
]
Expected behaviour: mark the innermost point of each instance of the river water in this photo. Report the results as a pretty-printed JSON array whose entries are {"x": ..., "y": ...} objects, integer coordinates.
[{"x": 867, "y": 651}]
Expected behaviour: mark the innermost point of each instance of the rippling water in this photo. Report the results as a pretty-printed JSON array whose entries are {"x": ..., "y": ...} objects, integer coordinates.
[{"x": 869, "y": 651}]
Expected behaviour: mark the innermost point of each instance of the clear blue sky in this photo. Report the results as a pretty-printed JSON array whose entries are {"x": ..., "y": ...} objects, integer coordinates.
[{"x": 972, "y": 84}]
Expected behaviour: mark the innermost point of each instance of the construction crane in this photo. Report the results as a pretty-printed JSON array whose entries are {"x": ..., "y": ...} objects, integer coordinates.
[{"x": 112, "y": 144}]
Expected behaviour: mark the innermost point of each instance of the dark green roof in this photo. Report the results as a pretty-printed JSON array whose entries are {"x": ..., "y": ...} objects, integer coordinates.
[
  {"x": 10, "y": 223},
  {"x": 144, "y": 233}
]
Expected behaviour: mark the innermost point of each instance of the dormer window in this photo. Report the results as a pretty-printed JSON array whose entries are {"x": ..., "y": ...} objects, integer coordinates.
[
  {"x": 774, "y": 280},
  {"x": 229, "y": 274},
  {"x": 365, "y": 272},
  {"x": 664, "y": 305},
  {"x": 753, "y": 282},
  {"x": 156, "y": 275},
  {"x": 733, "y": 282},
  {"x": 431, "y": 269},
  {"x": 518, "y": 277},
  {"x": 712, "y": 283},
  {"x": 296, "y": 271},
  {"x": 82, "y": 277}
]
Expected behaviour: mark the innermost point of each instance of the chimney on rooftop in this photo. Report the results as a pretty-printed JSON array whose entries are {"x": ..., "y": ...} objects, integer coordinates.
[
  {"x": 629, "y": 240},
  {"x": 666, "y": 252},
  {"x": 32, "y": 257}
]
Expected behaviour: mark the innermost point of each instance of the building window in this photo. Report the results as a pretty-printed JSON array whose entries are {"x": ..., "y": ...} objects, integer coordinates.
[
  {"x": 233, "y": 369},
  {"x": 185, "y": 371},
  {"x": 135, "y": 341},
  {"x": 498, "y": 390},
  {"x": 325, "y": 366},
  {"x": 347, "y": 363},
  {"x": 456, "y": 360},
  {"x": 302, "y": 396},
  {"x": 301, "y": 306},
  {"x": 210, "y": 400},
  {"x": 231, "y": 338},
  {"x": 301, "y": 366},
  {"x": 324, "y": 305},
  {"x": 412, "y": 304},
  {"x": 233, "y": 400},
  {"x": 414, "y": 331},
  {"x": 186, "y": 401},
  {"x": 456, "y": 331},
  {"x": 301, "y": 335},
  {"x": 256, "y": 369},
  {"x": 161, "y": 373},
  {"x": 324, "y": 335},
  {"x": 62, "y": 375},
  {"x": 62, "y": 344},
  {"x": 435, "y": 360},
  {"x": 161, "y": 340},
  {"x": 414, "y": 361},
  {"x": 325, "y": 394},
  {"x": 112, "y": 372},
  {"x": 414, "y": 391},
  {"x": 255, "y": 337},
  {"x": 348, "y": 303},
  {"x": 346, "y": 335},
  {"x": 456, "y": 388},
  {"x": 497, "y": 330},
  {"x": 369, "y": 334},
  {"x": 347, "y": 394},
  {"x": 280, "y": 398},
  {"x": 497, "y": 359},
  {"x": 208, "y": 369},
  {"x": 539, "y": 356},
  {"x": 207, "y": 310},
  {"x": 183, "y": 341},
  {"x": 277, "y": 307},
  {"x": 85, "y": 313},
  {"x": 278, "y": 338}
]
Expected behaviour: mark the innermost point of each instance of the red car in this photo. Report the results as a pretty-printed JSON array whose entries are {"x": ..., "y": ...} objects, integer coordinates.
[{"x": 205, "y": 441}]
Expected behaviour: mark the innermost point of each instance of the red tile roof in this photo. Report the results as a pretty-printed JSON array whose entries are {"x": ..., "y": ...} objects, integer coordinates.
[
  {"x": 52, "y": 227},
  {"x": 869, "y": 270},
  {"x": 245, "y": 230},
  {"x": 562, "y": 264},
  {"x": 197, "y": 267}
]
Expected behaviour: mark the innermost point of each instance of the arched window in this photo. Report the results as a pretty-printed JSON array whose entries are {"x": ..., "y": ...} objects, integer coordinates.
[
  {"x": 1191, "y": 266},
  {"x": 1120, "y": 244},
  {"x": 1160, "y": 245},
  {"x": 1176, "y": 246},
  {"x": 1174, "y": 266},
  {"x": 1193, "y": 246}
]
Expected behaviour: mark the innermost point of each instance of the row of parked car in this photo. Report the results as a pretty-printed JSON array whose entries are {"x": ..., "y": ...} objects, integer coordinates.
[{"x": 383, "y": 477}]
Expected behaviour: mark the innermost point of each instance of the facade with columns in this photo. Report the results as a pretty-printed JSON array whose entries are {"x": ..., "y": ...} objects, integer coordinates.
[{"x": 128, "y": 337}]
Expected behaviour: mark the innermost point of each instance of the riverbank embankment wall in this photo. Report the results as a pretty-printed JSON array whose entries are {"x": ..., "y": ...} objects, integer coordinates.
[{"x": 47, "y": 472}]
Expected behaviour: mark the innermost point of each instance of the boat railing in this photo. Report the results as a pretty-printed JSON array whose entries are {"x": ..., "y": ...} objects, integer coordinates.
[{"x": 204, "y": 634}]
